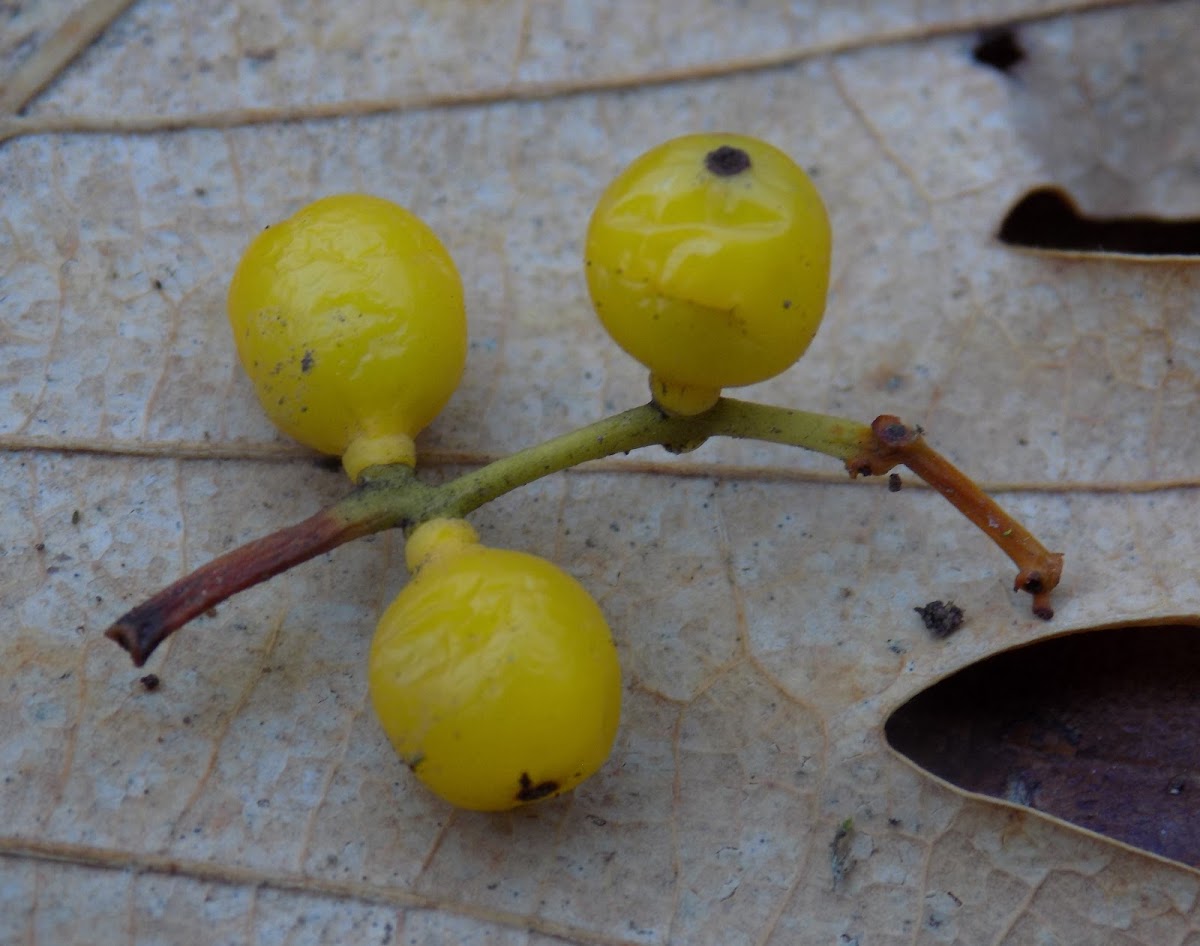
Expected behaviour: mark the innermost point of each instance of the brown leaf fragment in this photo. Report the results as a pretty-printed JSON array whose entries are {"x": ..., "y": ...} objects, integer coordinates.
[
  {"x": 1048, "y": 219},
  {"x": 1097, "y": 728}
]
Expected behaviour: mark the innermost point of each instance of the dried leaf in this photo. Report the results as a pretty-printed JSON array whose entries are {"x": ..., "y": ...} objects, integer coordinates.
[{"x": 762, "y": 602}]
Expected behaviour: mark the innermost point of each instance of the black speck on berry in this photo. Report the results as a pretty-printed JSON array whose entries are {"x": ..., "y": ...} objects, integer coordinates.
[
  {"x": 727, "y": 161},
  {"x": 531, "y": 792}
]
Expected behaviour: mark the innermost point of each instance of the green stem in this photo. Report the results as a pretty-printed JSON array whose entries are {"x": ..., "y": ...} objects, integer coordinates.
[
  {"x": 647, "y": 426},
  {"x": 391, "y": 497}
]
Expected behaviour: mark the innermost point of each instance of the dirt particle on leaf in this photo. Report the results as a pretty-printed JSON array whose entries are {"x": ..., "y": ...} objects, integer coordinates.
[
  {"x": 841, "y": 861},
  {"x": 75, "y": 517},
  {"x": 941, "y": 618},
  {"x": 306, "y": 362},
  {"x": 998, "y": 48}
]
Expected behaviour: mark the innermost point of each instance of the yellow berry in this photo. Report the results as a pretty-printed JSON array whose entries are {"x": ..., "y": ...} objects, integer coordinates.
[
  {"x": 708, "y": 261},
  {"x": 493, "y": 673},
  {"x": 349, "y": 319}
]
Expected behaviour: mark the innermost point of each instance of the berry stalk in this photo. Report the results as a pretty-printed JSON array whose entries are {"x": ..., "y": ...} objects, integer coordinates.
[{"x": 392, "y": 497}]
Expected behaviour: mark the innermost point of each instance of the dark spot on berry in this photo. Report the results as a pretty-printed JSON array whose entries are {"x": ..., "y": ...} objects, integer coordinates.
[
  {"x": 151, "y": 682},
  {"x": 414, "y": 761},
  {"x": 941, "y": 618},
  {"x": 75, "y": 517},
  {"x": 158, "y": 284},
  {"x": 894, "y": 483},
  {"x": 531, "y": 792},
  {"x": 727, "y": 161},
  {"x": 306, "y": 362},
  {"x": 999, "y": 49}
]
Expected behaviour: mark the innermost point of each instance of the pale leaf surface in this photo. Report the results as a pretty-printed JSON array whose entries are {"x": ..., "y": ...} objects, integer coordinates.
[{"x": 764, "y": 620}]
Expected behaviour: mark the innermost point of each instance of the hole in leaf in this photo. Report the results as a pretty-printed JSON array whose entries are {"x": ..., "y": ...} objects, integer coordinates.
[
  {"x": 1101, "y": 729},
  {"x": 1048, "y": 219},
  {"x": 999, "y": 49}
]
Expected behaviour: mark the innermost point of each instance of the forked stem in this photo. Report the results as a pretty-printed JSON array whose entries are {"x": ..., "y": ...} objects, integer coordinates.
[{"x": 391, "y": 497}]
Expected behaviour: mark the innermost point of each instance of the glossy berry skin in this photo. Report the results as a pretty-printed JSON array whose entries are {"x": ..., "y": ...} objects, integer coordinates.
[
  {"x": 349, "y": 319},
  {"x": 707, "y": 260},
  {"x": 493, "y": 673}
]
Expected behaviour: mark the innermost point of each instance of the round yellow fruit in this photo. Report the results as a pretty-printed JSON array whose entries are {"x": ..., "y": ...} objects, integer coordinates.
[
  {"x": 707, "y": 260},
  {"x": 493, "y": 673},
  {"x": 349, "y": 319}
]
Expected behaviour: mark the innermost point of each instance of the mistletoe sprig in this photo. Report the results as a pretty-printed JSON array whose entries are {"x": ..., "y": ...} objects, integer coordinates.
[{"x": 708, "y": 261}]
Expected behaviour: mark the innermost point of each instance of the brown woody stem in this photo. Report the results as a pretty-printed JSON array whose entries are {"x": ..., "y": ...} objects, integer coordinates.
[
  {"x": 1038, "y": 569},
  {"x": 142, "y": 629}
]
